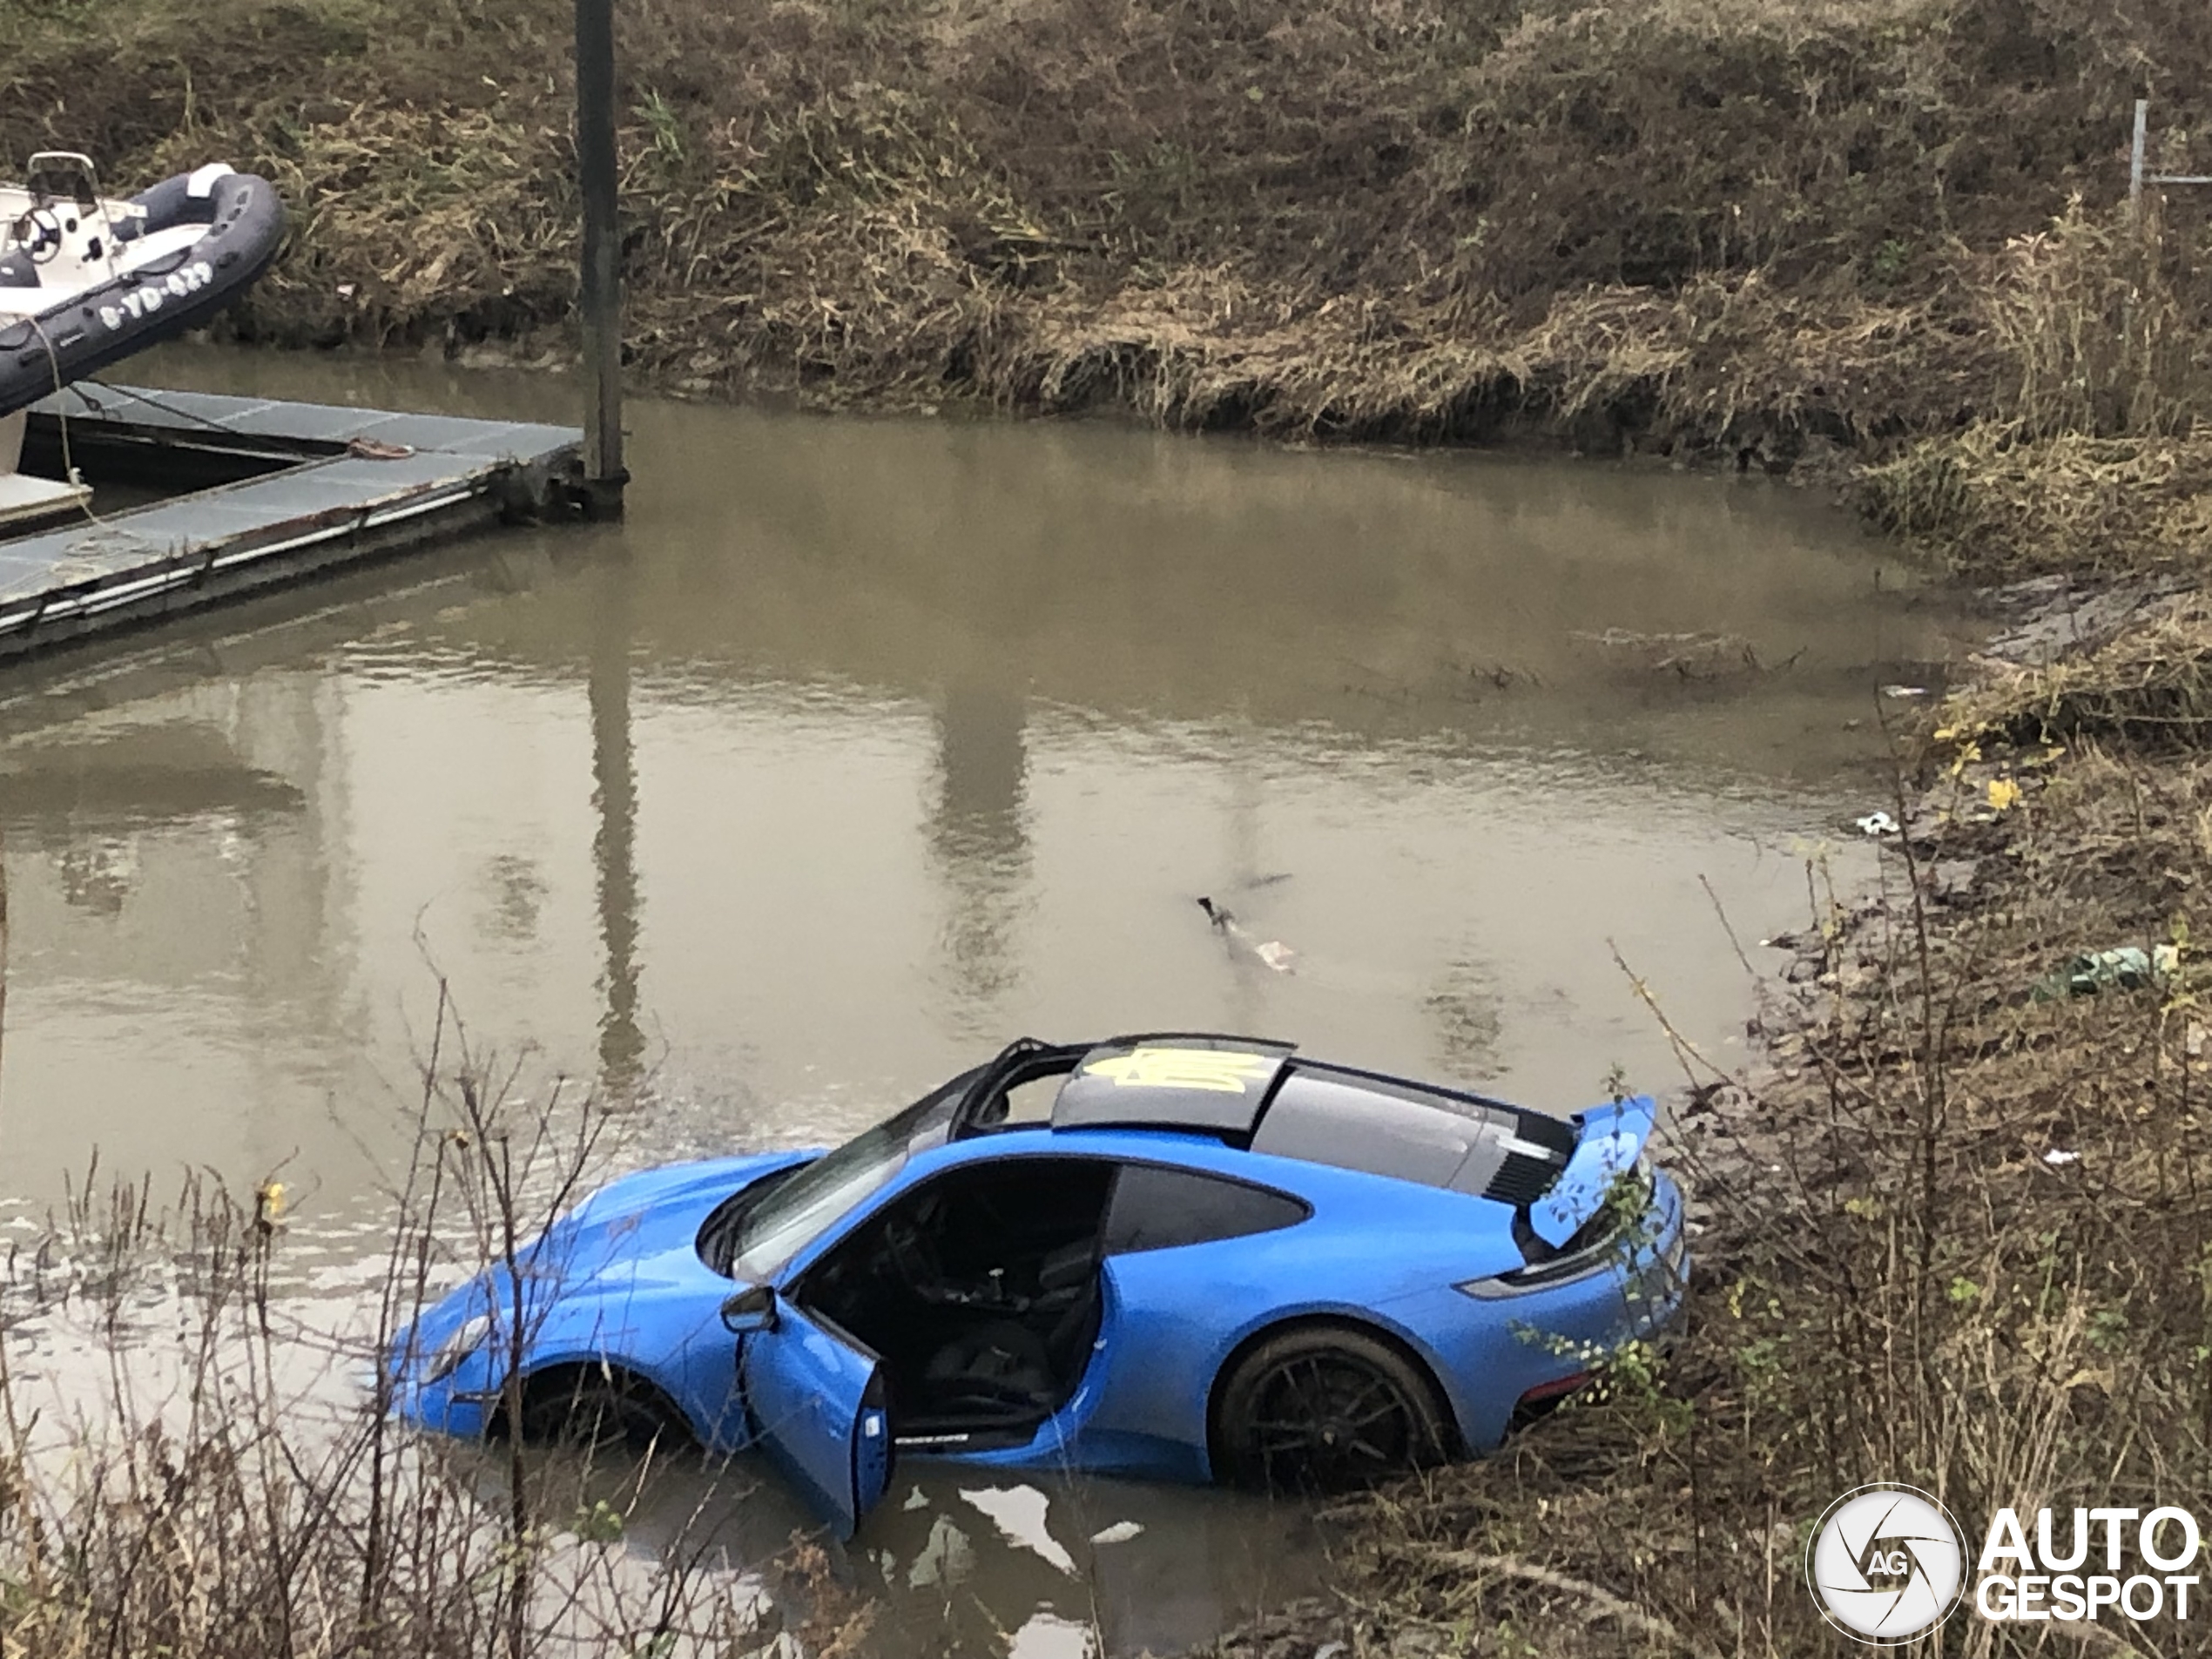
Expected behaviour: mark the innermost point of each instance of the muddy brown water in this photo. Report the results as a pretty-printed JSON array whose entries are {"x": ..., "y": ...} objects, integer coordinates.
[{"x": 864, "y": 746}]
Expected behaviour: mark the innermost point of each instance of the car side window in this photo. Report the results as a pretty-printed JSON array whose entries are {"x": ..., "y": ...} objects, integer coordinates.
[{"x": 1157, "y": 1208}]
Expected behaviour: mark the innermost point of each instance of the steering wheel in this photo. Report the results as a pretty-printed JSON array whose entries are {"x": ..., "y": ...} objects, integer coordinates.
[
  {"x": 913, "y": 1257},
  {"x": 38, "y": 232}
]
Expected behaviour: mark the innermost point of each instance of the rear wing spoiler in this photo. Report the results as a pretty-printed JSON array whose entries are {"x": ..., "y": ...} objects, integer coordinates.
[{"x": 1612, "y": 1138}]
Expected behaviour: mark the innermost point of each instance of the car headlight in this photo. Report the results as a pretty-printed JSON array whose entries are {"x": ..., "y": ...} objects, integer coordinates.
[{"x": 470, "y": 1335}]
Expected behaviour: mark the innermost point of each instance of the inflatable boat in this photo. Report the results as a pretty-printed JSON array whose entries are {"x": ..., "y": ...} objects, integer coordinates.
[{"x": 85, "y": 281}]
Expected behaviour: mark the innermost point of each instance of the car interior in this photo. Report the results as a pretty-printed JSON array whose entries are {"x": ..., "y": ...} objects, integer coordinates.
[{"x": 979, "y": 1292}]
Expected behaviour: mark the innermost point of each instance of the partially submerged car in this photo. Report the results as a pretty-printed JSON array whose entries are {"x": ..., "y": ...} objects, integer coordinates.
[{"x": 1190, "y": 1257}]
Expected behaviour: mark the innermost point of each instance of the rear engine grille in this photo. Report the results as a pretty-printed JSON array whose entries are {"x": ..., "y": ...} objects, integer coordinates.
[
  {"x": 1539, "y": 1151},
  {"x": 1521, "y": 1180}
]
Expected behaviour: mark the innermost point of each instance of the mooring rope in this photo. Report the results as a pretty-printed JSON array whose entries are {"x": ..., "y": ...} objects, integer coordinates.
[
  {"x": 102, "y": 527},
  {"x": 61, "y": 415},
  {"x": 152, "y": 401}
]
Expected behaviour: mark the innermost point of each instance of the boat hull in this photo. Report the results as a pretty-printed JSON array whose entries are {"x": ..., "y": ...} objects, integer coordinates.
[{"x": 88, "y": 326}]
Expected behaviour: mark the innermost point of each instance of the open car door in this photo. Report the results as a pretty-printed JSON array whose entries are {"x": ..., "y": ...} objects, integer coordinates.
[{"x": 819, "y": 1405}]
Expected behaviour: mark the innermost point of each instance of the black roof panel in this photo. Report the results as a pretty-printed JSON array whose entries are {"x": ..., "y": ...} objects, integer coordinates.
[
  {"x": 1439, "y": 1137},
  {"x": 1215, "y": 1085}
]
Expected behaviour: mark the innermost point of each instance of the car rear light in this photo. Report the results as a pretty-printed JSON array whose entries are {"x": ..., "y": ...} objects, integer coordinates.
[{"x": 1553, "y": 1390}]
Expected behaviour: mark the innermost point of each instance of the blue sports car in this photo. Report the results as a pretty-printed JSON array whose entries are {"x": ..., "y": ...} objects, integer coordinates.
[{"x": 1189, "y": 1258}]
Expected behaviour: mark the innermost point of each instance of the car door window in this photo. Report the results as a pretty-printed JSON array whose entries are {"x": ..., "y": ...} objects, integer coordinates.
[{"x": 1157, "y": 1208}]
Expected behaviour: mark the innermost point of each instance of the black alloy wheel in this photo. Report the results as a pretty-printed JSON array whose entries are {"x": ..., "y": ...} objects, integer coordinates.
[
  {"x": 592, "y": 1412},
  {"x": 1324, "y": 1409}
]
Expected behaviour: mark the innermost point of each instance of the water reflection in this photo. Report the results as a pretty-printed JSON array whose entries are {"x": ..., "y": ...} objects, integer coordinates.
[
  {"x": 961, "y": 1561},
  {"x": 614, "y": 859},
  {"x": 1469, "y": 1016},
  {"x": 979, "y": 841}
]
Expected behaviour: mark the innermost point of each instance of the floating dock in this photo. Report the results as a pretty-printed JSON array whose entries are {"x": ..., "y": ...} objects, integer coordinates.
[{"x": 291, "y": 489}]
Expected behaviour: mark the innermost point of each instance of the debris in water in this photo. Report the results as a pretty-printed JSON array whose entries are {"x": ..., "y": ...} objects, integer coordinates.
[
  {"x": 1269, "y": 953},
  {"x": 1904, "y": 691},
  {"x": 1876, "y": 823}
]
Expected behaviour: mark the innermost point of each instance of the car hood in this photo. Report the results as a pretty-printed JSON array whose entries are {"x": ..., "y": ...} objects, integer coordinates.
[
  {"x": 633, "y": 1236},
  {"x": 654, "y": 1206}
]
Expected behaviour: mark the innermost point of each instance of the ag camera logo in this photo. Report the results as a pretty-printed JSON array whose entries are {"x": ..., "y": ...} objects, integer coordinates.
[{"x": 1886, "y": 1564}]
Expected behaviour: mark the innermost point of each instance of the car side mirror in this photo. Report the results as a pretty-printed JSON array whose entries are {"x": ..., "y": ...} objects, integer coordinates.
[{"x": 751, "y": 1308}]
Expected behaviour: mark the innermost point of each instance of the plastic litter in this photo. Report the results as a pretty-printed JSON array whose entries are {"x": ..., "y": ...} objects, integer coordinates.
[
  {"x": 2126, "y": 967},
  {"x": 1904, "y": 691},
  {"x": 2058, "y": 1157},
  {"x": 1876, "y": 823},
  {"x": 1119, "y": 1532}
]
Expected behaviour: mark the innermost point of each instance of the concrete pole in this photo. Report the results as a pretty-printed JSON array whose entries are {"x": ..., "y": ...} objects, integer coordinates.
[{"x": 601, "y": 297}]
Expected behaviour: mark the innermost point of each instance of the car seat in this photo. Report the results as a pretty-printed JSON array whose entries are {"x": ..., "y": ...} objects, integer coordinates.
[{"x": 998, "y": 1369}]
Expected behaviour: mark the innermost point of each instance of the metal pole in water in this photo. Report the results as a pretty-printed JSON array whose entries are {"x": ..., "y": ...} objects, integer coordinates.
[{"x": 603, "y": 473}]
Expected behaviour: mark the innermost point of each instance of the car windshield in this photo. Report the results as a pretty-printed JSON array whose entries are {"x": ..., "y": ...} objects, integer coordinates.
[{"x": 801, "y": 1207}]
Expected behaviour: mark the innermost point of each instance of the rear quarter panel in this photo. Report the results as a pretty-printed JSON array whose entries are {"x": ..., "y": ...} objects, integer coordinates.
[{"x": 1367, "y": 1254}]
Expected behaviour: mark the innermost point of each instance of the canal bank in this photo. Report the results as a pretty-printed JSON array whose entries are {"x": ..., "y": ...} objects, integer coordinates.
[{"x": 1742, "y": 233}]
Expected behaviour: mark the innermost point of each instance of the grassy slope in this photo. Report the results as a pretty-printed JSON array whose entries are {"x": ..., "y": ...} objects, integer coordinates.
[{"x": 1732, "y": 221}]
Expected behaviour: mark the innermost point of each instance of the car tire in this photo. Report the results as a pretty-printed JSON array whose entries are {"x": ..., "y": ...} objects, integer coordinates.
[
  {"x": 1321, "y": 1408},
  {"x": 595, "y": 1410}
]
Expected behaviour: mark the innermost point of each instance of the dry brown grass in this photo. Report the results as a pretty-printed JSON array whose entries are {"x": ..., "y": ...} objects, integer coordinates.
[
  {"x": 2150, "y": 690},
  {"x": 1993, "y": 504},
  {"x": 2095, "y": 455},
  {"x": 1727, "y": 224}
]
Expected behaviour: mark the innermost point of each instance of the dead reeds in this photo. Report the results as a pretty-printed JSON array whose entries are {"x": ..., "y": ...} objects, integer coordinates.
[
  {"x": 2150, "y": 689},
  {"x": 1729, "y": 227},
  {"x": 195, "y": 1464}
]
